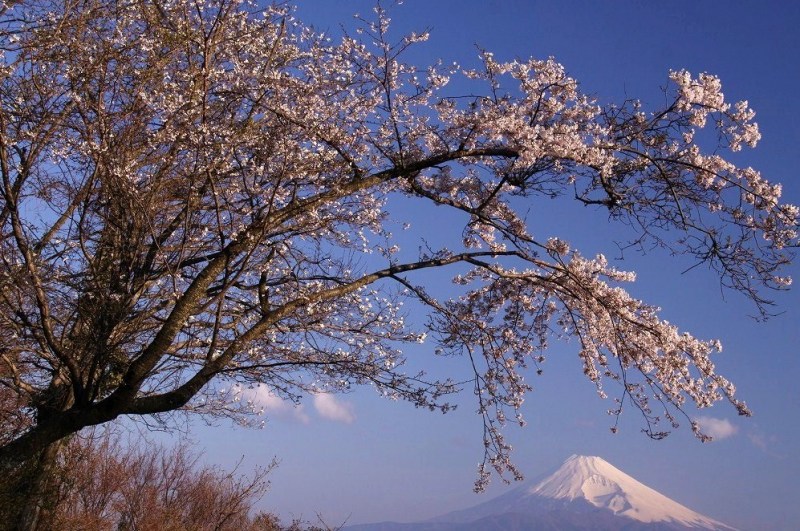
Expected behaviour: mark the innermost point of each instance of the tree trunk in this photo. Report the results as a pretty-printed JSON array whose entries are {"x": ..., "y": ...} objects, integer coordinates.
[
  {"x": 30, "y": 492},
  {"x": 29, "y": 465}
]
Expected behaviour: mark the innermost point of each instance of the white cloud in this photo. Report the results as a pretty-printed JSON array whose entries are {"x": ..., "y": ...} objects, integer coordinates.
[
  {"x": 274, "y": 406},
  {"x": 331, "y": 408},
  {"x": 718, "y": 429},
  {"x": 763, "y": 441},
  {"x": 759, "y": 440}
]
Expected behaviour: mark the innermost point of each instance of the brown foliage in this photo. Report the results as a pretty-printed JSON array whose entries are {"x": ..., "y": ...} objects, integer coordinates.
[{"x": 106, "y": 484}]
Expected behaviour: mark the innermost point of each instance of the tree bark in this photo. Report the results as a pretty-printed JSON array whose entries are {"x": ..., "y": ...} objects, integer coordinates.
[{"x": 30, "y": 491}]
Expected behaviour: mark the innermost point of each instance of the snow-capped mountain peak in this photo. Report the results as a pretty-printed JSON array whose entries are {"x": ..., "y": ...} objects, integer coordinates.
[
  {"x": 585, "y": 493},
  {"x": 590, "y": 493},
  {"x": 603, "y": 485}
]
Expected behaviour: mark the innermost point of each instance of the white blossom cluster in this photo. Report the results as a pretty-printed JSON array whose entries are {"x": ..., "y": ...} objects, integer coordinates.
[{"x": 216, "y": 175}]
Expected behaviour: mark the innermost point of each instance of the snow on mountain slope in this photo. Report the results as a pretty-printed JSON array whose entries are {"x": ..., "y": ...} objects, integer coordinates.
[
  {"x": 590, "y": 483},
  {"x": 603, "y": 485}
]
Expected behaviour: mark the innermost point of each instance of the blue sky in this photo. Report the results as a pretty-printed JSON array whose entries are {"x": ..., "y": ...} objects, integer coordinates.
[{"x": 359, "y": 457}]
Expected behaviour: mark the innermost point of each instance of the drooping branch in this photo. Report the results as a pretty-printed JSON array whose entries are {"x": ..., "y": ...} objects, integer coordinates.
[{"x": 197, "y": 198}]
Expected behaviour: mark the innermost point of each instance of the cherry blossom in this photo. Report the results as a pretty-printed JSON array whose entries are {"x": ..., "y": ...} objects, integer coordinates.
[{"x": 196, "y": 198}]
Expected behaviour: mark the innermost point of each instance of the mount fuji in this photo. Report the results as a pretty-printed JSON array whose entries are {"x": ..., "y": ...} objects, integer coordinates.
[{"x": 585, "y": 493}]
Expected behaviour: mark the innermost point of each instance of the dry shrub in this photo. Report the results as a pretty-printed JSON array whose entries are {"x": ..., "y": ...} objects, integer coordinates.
[{"x": 105, "y": 484}]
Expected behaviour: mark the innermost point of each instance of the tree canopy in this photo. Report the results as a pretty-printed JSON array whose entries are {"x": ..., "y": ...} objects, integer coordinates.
[{"x": 194, "y": 197}]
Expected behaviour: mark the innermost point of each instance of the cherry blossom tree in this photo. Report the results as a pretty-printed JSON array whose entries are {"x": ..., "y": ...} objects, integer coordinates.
[{"x": 195, "y": 199}]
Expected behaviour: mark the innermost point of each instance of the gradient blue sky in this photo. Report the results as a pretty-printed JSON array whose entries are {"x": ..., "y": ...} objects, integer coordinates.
[{"x": 365, "y": 459}]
